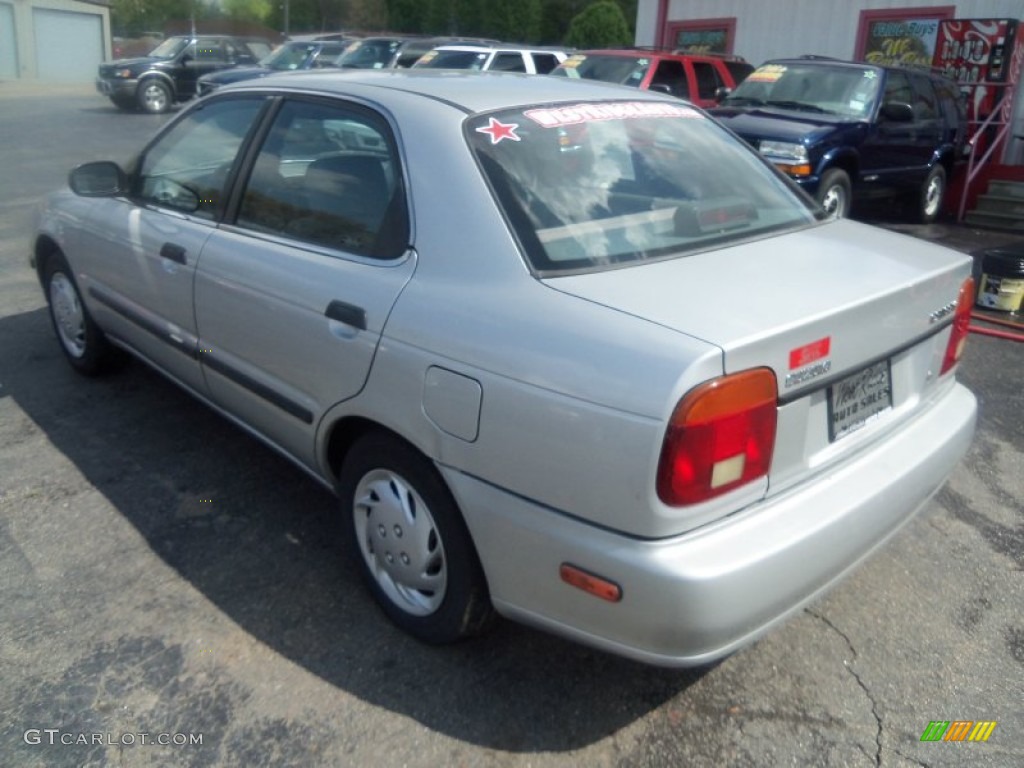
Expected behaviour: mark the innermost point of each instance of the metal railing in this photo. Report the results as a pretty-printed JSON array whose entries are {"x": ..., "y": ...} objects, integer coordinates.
[{"x": 975, "y": 166}]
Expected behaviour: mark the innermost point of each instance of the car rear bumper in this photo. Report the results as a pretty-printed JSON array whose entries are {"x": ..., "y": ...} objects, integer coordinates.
[{"x": 691, "y": 599}]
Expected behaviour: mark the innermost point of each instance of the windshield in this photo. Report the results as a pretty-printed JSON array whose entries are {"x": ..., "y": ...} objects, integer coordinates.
[
  {"x": 818, "y": 88},
  {"x": 289, "y": 57},
  {"x": 587, "y": 186},
  {"x": 474, "y": 60},
  {"x": 169, "y": 48},
  {"x": 624, "y": 70},
  {"x": 369, "y": 54}
]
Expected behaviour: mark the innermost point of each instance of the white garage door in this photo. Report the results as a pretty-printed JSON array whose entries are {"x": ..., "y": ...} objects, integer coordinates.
[
  {"x": 69, "y": 46},
  {"x": 8, "y": 53}
]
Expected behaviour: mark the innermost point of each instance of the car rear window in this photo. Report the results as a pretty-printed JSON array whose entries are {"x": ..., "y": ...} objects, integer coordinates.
[
  {"x": 454, "y": 60},
  {"x": 597, "y": 185}
]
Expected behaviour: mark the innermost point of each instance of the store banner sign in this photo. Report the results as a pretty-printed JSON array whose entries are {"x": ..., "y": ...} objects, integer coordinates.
[
  {"x": 909, "y": 43},
  {"x": 702, "y": 41}
]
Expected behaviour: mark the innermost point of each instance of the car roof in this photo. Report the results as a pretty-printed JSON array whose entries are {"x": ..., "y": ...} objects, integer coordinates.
[
  {"x": 469, "y": 92},
  {"x": 488, "y": 47},
  {"x": 827, "y": 61},
  {"x": 650, "y": 53}
]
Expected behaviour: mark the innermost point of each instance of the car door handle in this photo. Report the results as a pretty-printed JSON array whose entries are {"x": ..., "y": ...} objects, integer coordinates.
[
  {"x": 172, "y": 251},
  {"x": 347, "y": 313}
]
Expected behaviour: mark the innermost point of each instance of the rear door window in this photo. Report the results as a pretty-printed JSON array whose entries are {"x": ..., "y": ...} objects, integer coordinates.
[
  {"x": 671, "y": 74},
  {"x": 508, "y": 62},
  {"x": 708, "y": 79},
  {"x": 544, "y": 62},
  {"x": 925, "y": 101},
  {"x": 328, "y": 175}
]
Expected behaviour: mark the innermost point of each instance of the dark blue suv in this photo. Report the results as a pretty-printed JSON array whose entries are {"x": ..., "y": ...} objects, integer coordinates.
[{"x": 844, "y": 129}]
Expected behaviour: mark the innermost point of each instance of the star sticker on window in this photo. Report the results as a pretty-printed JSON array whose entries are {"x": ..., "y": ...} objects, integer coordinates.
[
  {"x": 498, "y": 131},
  {"x": 870, "y": 74}
]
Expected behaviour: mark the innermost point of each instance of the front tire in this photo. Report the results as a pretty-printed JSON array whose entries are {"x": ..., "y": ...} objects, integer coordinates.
[
  {"x": 932, "y": 194},
  {"x": 835, "y": 193},
  {"x": 411, "y": 543},
  {"x": 81, "y": 340},
  {"x": 153, "y": 97}
]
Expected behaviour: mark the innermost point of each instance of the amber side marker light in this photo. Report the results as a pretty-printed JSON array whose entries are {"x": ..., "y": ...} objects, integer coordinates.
[
  {"x": 961, "y": 324},
  {"x": 721, "y": 436},
  {"x": 590, "y": 583}
]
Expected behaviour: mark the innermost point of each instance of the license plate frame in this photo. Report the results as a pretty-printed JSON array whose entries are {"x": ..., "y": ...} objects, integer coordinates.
[{"x": 859, "y": 399}]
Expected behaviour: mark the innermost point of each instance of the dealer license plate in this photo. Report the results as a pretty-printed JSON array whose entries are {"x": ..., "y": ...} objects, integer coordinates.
[{"x": 858, "y": 399}]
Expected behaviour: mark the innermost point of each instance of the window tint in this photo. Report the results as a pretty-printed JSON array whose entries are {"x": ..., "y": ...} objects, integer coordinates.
[
  {"x": 508, "y": 62},
  {"x": 739, "y": 70},
  {"x": 187, "y": 168},
  {"x": 671, "y": 74},
  {"x": 925, "y": 103},
  {"x": 544, "y": 62},
  {"x": 209, "y": 49},
  {"x": 897, "y": 88},
  {"x": 328, "y": 176},
  {"x": 708, "y": 80}
]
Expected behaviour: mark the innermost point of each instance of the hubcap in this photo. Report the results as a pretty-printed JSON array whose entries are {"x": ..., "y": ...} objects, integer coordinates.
[
  {"x": 834, "y": 202},
  {"x": 155, "y": 98},
  {"x": 400, "y": 543},
  {"x": 67, "y": 311},
  {"x": 932, "y": 197}
]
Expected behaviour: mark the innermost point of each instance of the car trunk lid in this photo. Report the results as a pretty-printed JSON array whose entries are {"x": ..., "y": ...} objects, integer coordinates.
[{"x": 848, "y": 317}]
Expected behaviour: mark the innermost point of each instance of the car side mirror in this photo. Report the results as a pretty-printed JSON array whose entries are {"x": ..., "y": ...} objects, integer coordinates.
[
  {"x": 660, "y": 88},
  {"x": 722, "y": 92},
  {"x": 98, "y": 179},
  {"x": 898, "y": 112}
]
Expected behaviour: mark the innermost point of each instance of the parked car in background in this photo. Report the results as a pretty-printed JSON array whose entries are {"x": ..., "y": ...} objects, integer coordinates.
[
  {"x": 700, "y": 79},
  {"x": 171, "y": 71},
  {"x": 496, "y": 57},
  {"x": 844, "y": 130},
  {"x": 621, "y": 380},
  {"x": 288, "y": 57}
]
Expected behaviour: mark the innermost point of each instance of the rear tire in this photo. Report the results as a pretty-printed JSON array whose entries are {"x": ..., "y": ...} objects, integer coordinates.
[
  {"x": 835, "y": 193},
  {"x": 931, "y": 196},
  {"x": 410, "y": 541},
  {"x": 81, "y": 340}
]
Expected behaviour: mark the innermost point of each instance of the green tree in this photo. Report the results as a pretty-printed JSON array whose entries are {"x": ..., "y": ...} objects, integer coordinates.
[
  {"x": 248, "y": 10},
  {"x": 132, "y": 17},
  {"x": 513, "y": 20},
  {"x": 408, "y": 15},
  {"x": 599, "y": 25}
]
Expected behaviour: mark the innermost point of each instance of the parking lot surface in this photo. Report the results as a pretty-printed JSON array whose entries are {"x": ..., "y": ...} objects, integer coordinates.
[{"x": 172, "y": 592}]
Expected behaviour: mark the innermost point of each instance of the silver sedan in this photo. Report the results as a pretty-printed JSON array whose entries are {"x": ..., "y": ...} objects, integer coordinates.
[{"x": 568, "y": 353}]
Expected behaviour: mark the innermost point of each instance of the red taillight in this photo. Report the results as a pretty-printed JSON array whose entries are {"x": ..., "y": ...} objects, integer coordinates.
[
  {"x": 720, "y": 437},
  {"x": 962, "y": 318}
]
